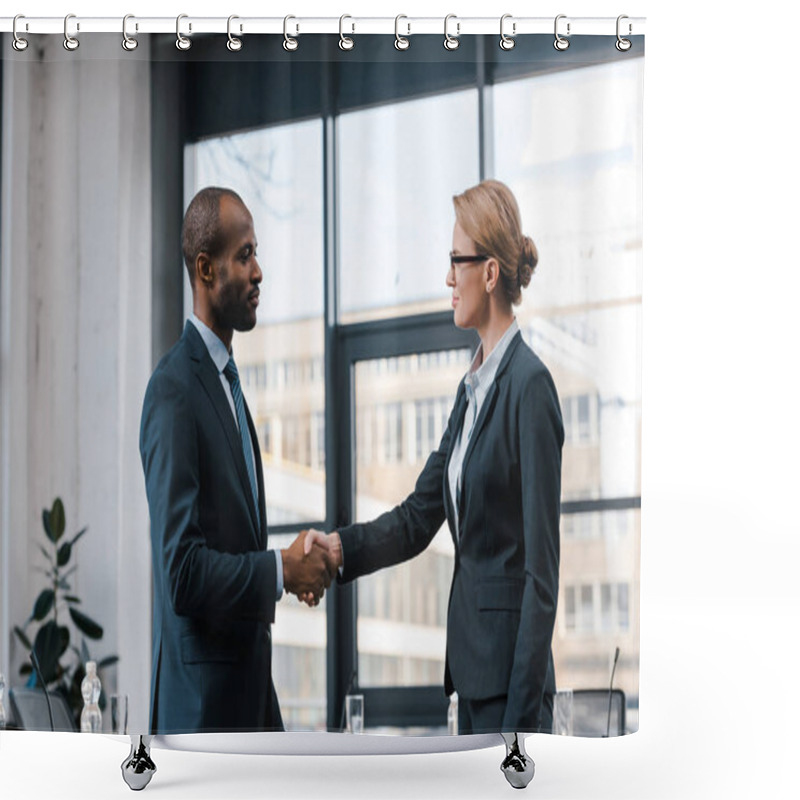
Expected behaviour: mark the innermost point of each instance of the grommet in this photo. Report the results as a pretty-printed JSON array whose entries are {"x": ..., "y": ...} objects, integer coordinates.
[
  {"x": 129, "y": 43},
  {"x": 560, "y": 42},
  {"x": 401, "y": 42},
  {"x": 182, "y": 42},
  {"x": 70, "y": 42},
  {"x": 451, "y": 42},
  {"x": 289, "y": 43}
]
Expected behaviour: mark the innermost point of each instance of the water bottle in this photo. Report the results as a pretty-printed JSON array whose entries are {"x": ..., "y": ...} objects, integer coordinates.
[
  {"x": 91, "y": 718},
  {"x": 2, "y": 707},
  {"x": 452, "y": 715}
]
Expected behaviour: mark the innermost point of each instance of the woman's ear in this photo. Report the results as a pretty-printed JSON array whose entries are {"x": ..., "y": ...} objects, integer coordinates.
[{"x": 492, "y": 274}]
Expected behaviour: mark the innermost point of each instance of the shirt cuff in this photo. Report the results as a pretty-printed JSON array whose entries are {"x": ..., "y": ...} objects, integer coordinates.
[{"x": 279, "y": 574}]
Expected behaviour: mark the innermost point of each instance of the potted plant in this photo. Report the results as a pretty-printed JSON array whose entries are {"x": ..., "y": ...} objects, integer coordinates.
[{"x": 51, "y": 629}]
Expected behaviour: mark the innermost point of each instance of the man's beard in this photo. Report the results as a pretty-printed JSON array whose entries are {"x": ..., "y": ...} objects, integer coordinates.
[{"x": 233, "y": 311}]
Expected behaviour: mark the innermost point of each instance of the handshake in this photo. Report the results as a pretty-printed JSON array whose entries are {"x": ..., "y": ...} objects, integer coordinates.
[{"x": 310, "y": 563}]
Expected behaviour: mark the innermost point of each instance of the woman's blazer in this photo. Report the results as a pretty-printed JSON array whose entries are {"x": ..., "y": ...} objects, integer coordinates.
[{"x": 503, "y": 596}]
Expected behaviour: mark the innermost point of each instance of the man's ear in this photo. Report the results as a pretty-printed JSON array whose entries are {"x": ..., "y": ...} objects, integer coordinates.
[
  {"x": 204, "y": 270},
  {"x": 492, "y": 274}
]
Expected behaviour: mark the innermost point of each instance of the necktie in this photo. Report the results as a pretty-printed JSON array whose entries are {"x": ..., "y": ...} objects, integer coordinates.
[{"x": 232, "y": 374}]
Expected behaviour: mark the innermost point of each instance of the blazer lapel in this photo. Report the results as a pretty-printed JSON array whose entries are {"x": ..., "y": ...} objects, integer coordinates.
[
  {"x": 460, "y": 408},
  {"x": 206, "y": 372},
  {"x": 486, "y": 409}
]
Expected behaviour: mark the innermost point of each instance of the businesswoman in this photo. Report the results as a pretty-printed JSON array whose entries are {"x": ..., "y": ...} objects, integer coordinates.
[{"x": 496, "y": 477}]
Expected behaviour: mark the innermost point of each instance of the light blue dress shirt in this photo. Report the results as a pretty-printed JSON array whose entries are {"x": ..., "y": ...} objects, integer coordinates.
[{"x": 220, "y": 355}]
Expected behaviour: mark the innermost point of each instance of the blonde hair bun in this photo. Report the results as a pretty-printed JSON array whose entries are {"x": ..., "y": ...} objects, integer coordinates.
[{"x": 528, "y": 258}]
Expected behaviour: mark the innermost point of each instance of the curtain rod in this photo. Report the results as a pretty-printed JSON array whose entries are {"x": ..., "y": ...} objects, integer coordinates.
[{"x": 186, "y": 25}]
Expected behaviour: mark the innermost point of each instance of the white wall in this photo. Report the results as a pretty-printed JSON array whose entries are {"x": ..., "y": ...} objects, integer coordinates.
[{"x": 75, "y": 302}]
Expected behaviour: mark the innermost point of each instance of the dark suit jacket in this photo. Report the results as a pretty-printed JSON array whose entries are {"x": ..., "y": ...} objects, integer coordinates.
[
  {"x": 214, "y": 581},
  {"x": 503, "y": 596}
]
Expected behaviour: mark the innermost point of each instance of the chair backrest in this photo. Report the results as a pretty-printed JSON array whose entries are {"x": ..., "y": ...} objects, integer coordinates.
[
  {"x": 590, "y": 712},
  {"x": 30, "y": 710}
]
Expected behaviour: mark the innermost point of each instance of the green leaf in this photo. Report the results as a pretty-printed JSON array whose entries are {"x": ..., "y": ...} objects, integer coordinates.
[
  {"x": 47, "y": 646},
  {"x": 78, "y": 535},
  {"x": 64, "y": 585},
  {"x": 86, "y": 624},
  {"x": 70, "y": 598},
  {"x": 64, "y": 632},
  {"x": 57, "y": 519},
  {"x": 43, "y": 605},
  {"x": 46, "y": 554},
  {"x": 26, "y": 642},
  {"x": 48, "y": 527},
  {"x": 84, "y": 653},
  {"x": 64, "y": 554},
  {"x": 107, "y": 661}
]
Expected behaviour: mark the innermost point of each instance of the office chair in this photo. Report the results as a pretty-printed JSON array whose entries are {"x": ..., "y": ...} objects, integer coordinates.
[
  {"x": 590, "y": 712},
  {"x": 30, "y": 710}
]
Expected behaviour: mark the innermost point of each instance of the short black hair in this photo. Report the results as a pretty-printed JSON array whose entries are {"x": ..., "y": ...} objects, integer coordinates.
[{"x": 201, "y": 229}]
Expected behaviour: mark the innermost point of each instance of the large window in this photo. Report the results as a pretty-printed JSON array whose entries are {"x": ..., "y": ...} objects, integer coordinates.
[
  {"x": 400, "y": 165},
  {"x": 352, "y": 202},
  {"x": 402, "y": 612},
  {"x": 577, "y": 182}
]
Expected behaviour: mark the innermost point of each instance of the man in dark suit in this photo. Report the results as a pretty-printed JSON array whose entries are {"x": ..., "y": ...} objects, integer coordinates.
[{"x": 215, "y": 582}]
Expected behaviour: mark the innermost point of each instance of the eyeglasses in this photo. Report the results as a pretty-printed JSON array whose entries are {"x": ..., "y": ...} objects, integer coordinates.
[{"x": 454, "y": 259}]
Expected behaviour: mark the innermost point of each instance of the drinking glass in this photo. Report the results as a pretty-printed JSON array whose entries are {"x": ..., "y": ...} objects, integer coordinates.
[
  {"x": 119, "y": 713},
  {"x": 563, "y": 712},
  {"x": 355, "y": 713}
]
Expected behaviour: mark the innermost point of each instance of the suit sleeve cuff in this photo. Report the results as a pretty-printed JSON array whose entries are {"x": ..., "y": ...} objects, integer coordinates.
[{"x": 278, "y": 575}]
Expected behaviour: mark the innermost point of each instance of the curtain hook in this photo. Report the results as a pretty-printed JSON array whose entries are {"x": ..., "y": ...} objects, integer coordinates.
[
  {"x": 451, "y": 42},
  {"x": 129, "y": 43},
  {"x": 560, "y": 42},
  {"x": 288, "y": 42},
  {"x": 345, "y": 42},
  {"x": 70, "y": 42},
  {"x": 234, "y": 44},
  {"x": 401, "y": 42},
  {"x": 623, "y": 44},
  {"x": 19, "y": 44},
  {"x": 507, "y": 42},
  {"x": 182, "y": 43}
]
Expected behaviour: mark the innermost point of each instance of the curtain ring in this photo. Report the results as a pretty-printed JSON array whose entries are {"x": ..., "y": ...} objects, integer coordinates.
[
  {"x": 507, "y": 42},
  {"x": 288, "y": 42},
  {"x": 234, "y": 44},
  {"x": 451, "y": 42},
  {"x": 70, "y": 42},
  {"x": 129, "y": 43},
  {"x": 345, "y": 42},
  {"x": 400, "y": 42},
  {"x": 18, "y": 43},
  {"x": 623, "y": 44},
  {"x": 560, "y": 42},
  {"x": 182, "y": 43}
]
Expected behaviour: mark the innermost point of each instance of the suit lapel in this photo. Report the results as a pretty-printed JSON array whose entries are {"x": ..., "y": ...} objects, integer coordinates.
[
  {"x": 458, "y": 417},
  {"x": 262, "y": 510},
  {"x": 486, "y": 410},
  {"x": 207, "y": 373}
]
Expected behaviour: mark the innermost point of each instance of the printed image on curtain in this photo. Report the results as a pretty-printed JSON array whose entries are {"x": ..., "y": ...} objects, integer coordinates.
[{"x": 336, "y": 356}]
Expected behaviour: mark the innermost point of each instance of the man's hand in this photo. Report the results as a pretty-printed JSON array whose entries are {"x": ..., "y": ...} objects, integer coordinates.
[
  {"x": 307, "y": 571},
  {"x": 332, "y": 545}
]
